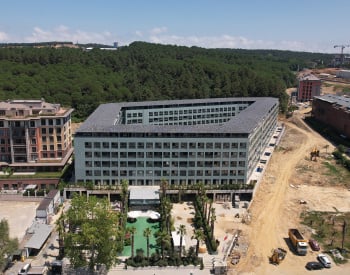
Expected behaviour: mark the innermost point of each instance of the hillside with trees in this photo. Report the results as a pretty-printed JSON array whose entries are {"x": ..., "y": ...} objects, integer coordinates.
[{"x": 143, "y": 71}]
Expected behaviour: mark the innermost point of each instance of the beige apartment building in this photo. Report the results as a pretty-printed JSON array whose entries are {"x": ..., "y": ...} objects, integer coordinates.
[{"x": 35, "y": 136}]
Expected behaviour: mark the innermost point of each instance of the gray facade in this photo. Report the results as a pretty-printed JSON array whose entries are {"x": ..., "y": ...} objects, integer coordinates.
[{"x": 214, "y": 141}]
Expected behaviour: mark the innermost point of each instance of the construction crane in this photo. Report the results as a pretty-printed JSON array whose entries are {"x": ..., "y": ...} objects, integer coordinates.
[{"x": 342, "y": 52}]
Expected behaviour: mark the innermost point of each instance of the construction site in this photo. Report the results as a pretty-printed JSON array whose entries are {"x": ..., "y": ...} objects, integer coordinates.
[{"x": 302, "y": 177}]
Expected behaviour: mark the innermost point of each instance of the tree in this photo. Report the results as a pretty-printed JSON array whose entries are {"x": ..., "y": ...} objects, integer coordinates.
[
  {"x": 60, "y": 229},
  {"x": 198, "y": 234},
  {"x": 181, "y": 231},
  {"x": 7, "y": 244},
  {"x": 212, "y": 221},
  {"x": 163, "y": 239},
  {"x": 132, "y": 231},
  {"x": 93, "y": 237},
  {"x": 164, "y": 187},
  {"x": 147, "y": 233}
]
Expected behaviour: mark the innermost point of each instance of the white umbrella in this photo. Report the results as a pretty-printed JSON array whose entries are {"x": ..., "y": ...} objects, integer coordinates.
[
  {"x": 133, "y": 214},
  {"x": 154, "y": 216}
]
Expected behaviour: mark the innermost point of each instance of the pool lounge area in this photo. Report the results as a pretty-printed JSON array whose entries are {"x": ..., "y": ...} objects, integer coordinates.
[{"x": 141, "y": 223}]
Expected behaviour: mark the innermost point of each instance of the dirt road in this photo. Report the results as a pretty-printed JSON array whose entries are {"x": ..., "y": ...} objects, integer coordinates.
[{"x": 275, "y": 208}]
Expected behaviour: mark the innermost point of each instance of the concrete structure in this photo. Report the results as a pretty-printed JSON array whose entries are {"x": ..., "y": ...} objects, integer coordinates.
[
  {"x": 176, "y": 238},
  {"x": 308, "y": 87},
  {"x": 48, "y": 206},
  {"x": 343, "y": 74},
  {"x": 38, "y": 233},
  {"x": 334, "y": 111},
  {"x": 143, "y": 198},
  {"x": 215, "y": 141},
  {"x": 35, "y": 136}
]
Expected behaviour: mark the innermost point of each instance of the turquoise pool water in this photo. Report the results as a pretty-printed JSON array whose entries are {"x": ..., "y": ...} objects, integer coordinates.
[{"x": 140, "y": 241}]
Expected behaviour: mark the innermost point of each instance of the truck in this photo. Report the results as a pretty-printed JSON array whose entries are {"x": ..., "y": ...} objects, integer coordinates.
[{"x": 298, "y": 242}]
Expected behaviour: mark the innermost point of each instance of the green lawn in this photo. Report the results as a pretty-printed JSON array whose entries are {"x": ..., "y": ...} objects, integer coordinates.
[{"x": 140, "y": 241}]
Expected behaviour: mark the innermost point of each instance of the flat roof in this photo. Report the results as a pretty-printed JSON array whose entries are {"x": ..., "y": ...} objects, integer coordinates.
[
  {"x": 335, "y": 99},
  {"x": 40, "y": 233},
  {"x": 103, "y": 119},
  {"x": 144, "y": 192},
  {"x": 52, "y": 194},
  {"x": 44, "y": 204},
  {"x": 308, "y": 77}
]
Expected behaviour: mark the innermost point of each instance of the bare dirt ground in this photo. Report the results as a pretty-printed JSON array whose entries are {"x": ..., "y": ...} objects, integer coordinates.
[
  {"x": 19, "y": 215},
  {"x": 290, "y": 176}
]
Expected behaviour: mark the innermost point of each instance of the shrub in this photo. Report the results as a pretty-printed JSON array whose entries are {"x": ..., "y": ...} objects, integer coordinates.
[{"x": 162, "y": 262}]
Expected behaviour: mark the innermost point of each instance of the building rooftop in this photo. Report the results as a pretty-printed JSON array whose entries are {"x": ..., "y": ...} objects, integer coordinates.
[
  {"x": 31, "y": 107},
  {"x": 144, "y": 192},
  {"x": 308, "y": 77},
  {"x": 105, "y": 119},
  {"x": 40, "y": 232},
  {"x": 342, "y": 101}
]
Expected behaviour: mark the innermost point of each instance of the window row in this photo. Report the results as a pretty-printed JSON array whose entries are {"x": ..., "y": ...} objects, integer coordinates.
[
  {"x": 190, "y": 122},
  {"x": 165, "y": 164},
  {"x": 165, "y": 173},
  {"x": 192, "y": 111},
  {"x": 165, "y": 145},
  {"x": 134, "y": 155}
]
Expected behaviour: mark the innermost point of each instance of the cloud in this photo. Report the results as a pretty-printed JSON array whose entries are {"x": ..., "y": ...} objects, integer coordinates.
[
  {"x": 162, "y": 35},
  {"x": 158, "y": 30},
  {"x": 139, "y": 33},
  {"x": 4, "y": 37},
  {"x": 64, "y": 33}
]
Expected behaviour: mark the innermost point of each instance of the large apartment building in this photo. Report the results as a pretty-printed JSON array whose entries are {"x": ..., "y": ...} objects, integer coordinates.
[
  {"x": 308, "y": 87},
  {"x": 34, "y": 135},
  {"x": 213, "y": 141}
]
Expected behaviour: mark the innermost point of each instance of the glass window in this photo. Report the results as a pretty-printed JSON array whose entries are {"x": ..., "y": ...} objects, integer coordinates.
[{"x": 97, "y": 145}]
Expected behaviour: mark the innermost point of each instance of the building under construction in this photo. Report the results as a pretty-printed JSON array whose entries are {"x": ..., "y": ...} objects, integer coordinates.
[{"x": 334, "y": 111}]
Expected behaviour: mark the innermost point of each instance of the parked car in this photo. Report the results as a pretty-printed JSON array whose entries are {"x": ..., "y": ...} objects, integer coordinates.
[
  {"x": 324, "y": 260},
  {"x": 314, "y": 245},
  {"x": 314, "y": 266}
]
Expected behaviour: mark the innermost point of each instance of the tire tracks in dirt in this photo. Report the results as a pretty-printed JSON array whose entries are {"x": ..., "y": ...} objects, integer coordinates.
[{"x": 269, "y": 224}]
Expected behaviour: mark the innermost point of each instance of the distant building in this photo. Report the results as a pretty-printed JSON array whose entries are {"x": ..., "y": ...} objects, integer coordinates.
[
  {"x": 35, "y": 136},
  {"x": 334, "y": 111},
  {"x": 343, "y": 74},
  {"x": 308, "y": 87}
]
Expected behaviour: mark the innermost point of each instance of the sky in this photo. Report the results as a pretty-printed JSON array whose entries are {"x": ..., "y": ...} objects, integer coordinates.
[{"x": 298, "y": 25}]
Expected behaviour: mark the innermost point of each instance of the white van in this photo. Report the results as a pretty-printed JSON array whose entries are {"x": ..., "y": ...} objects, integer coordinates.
[{"x": 24, "y": 270}]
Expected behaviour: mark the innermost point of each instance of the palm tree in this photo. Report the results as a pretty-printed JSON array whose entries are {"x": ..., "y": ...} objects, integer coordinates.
[
  {"x": 210, "y": 210},
  {"x": 181, "y": 231},
  {"x": 164, "y": 186},
  {"x": 132, "y": 232},
  {"x": 212, "y": 221},
  {"x": 198, "y": 234},
  {"x": 168, "y": 207},
  {"x": 147, "y": 233},
  {"x": 163, "y": 239}
]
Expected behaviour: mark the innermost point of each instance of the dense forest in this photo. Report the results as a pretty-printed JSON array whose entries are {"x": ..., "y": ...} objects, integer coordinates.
[{"x": 143, "y": 71}]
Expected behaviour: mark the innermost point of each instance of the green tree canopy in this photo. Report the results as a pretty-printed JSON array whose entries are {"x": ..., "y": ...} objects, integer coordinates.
[
  {"x": 145, "y": 71},
  {"x": 94, "y": 235},
  {"x": 7, "y": 244}
]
